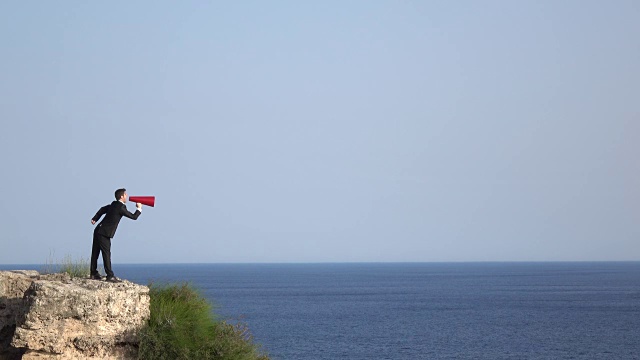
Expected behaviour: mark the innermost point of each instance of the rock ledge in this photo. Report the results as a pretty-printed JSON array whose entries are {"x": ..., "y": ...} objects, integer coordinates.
[{"x": 56, "y": 317}]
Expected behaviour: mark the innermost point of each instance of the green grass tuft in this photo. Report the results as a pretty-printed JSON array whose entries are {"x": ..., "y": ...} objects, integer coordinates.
[
  {"x": 78, "y": 268},
  {"x": 182, "y": 326}
]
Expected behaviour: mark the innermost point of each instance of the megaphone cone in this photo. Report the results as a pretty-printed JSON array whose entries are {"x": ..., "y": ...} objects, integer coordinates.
[{"x": 144, "y": 200}]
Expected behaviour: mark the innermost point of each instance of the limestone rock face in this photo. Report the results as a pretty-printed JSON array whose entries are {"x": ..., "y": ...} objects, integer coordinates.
[
  {"x": 62, "y": 318},
  {"x": 13, "y": 285}
]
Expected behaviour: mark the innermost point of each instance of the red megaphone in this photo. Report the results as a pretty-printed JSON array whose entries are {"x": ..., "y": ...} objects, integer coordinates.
[{"x": 144, "y": 200}]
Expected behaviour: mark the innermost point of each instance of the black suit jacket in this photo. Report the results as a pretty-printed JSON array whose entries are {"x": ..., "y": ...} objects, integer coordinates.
[{"x": 114, "y": 212}]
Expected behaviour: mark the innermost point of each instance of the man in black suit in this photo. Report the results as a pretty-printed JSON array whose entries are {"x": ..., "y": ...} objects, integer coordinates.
[{"x": 106, "y": 229}]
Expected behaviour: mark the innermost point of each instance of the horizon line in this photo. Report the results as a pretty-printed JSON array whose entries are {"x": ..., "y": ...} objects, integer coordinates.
[{"x": 346, "y": 262}]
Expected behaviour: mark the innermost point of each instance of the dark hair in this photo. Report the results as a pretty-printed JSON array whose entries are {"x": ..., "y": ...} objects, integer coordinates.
[{"x": 119, "y": 193}]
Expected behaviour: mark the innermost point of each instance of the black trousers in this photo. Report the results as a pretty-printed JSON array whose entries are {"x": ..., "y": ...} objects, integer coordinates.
[{"x": 102, "y": 244}]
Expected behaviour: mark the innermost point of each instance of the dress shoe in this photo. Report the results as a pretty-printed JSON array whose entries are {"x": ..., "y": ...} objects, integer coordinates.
[
  {"x": 113, "y": 280},
  {"x": 95, "y": 277}
]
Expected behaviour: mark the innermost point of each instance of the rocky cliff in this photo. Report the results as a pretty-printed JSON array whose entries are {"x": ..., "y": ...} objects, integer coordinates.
[{"x": 56, "y": 317}]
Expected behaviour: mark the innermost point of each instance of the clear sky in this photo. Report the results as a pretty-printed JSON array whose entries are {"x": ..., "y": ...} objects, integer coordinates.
[{"x": 322, "y": 131}]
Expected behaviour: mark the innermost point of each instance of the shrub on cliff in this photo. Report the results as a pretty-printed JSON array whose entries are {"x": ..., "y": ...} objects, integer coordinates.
[
  {"x": 182, "y": 326},
  {"x": 76, "y": 268}
]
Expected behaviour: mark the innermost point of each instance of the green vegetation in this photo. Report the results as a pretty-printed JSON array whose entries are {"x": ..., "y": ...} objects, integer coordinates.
[
  {"x": 182, "y": 326},
  {"x": 78, "y": 268}
]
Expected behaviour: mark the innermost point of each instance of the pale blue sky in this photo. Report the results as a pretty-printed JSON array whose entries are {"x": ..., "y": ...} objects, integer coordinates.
[{"x": 293, "y": 131}]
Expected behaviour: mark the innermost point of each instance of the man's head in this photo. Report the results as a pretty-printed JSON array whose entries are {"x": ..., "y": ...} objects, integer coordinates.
[{"x": 121, "y": 195}]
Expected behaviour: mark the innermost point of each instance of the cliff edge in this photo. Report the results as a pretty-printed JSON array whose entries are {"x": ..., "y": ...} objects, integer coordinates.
[{"x": 56, "y": 317}]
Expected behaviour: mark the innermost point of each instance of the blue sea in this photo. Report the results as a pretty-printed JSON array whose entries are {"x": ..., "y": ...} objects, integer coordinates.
[{"x": 423, "y": 310}]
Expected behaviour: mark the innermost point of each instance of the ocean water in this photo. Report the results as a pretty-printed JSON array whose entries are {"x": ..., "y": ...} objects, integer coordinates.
[{"x": 423, "y": 310}]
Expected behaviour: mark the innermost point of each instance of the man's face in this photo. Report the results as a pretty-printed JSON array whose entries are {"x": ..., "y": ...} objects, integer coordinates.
[{"x": 124, "y": 197}]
